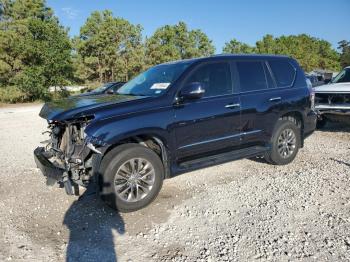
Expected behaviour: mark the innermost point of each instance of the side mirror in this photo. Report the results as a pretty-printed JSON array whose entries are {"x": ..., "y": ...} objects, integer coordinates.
[
  {"x": 110, "y": 91},
  {"x": 191, "y": 91}
]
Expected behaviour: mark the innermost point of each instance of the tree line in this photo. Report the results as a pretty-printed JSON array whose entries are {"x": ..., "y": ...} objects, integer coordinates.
[{"x": 36, "y": 51}]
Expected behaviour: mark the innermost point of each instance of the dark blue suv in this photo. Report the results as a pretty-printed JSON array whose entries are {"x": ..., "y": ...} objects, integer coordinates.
[{"x": 174, "y": 118}]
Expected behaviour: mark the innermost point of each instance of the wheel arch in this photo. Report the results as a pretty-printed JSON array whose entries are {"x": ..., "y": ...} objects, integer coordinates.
[
  {"x": 153, "y": 141},
  {"x": 298, "y": 119}
]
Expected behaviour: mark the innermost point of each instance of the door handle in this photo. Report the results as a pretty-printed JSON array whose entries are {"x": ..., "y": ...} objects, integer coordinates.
[
  {"x": 275, "y": 99},
  {"x": 233, "y": 105}
]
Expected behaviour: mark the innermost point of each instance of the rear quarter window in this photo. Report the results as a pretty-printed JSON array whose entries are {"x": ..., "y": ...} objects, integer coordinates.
[{"x": 283, "y": 72}]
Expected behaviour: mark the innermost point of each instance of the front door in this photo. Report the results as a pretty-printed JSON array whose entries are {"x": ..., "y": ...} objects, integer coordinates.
[{"x": 209, "y": 124}]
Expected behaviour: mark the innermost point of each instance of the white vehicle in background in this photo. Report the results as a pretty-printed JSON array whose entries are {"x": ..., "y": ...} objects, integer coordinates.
[
  {"x": 315, "y": 80},
  {"x": 332, "y": 101}
]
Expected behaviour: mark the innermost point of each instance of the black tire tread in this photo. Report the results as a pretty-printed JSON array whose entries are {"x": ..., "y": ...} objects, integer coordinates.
[
  {"x": 271, "y": 156},
  {"x": 110, "y": 161}
]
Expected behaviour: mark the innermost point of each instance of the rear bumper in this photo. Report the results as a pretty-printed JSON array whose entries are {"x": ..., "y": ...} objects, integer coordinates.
[{"x": 47, "y": 168}]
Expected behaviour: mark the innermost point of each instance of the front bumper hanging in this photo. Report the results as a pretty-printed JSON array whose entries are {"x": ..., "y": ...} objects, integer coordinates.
[
  {"x": 47, "y": 168},
  {"x": 54, "y": 173}
]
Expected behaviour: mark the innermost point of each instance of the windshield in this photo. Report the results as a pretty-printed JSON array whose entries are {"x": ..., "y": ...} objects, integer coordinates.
[
  {"x": 343, "y": 76},
  {"x": 102, "y": 88},
  {"x": 154, "y": 81}
]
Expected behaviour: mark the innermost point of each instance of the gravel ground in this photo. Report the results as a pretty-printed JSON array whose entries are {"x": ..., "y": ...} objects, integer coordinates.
[{"x": 241, "y": 211}]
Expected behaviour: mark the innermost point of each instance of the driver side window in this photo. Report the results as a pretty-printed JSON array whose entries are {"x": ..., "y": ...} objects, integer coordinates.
[{"x": 214, "y": 77}]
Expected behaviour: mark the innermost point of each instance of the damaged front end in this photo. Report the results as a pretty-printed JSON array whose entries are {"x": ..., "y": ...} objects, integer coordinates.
[
  {"x": 333, "y": 106},
  {"x": 69, "y": 156}
]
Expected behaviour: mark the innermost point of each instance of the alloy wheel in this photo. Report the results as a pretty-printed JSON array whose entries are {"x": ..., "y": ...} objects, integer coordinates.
[
  {"x": 286, "y": 143},
  {"x": 134, "y": 179}
]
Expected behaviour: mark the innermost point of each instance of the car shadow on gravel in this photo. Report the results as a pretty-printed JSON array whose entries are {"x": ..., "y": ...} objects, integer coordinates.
[
  {"x": 259, "y": 159},
  {"x": 335, "y": 127},
  {"x": 91, "y": 224}
]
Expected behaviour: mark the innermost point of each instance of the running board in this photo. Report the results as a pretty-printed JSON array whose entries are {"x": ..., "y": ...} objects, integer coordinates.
[{"x": 222, "y": 158}]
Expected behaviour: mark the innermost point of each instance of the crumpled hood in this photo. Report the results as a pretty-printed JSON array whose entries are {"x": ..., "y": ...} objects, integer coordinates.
[
  {"x": 333, "y": 88},
  {"x": 76, "y": 106}
]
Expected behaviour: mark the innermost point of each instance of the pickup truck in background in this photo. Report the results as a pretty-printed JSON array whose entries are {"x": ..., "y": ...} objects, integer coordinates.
[{"x": 332, "y": 101}]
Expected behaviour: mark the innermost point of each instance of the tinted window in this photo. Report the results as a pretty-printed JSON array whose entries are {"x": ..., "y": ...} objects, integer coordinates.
[
  {"x": 283, "y": 72},
  {"x": 251, "y": 76},
  {"x": 215, "y": 78}
]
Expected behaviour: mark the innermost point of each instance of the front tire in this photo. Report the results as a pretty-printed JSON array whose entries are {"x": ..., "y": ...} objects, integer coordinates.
[
  {"x": 131, "y": 177},
  {"x": 285, "y": 143}
]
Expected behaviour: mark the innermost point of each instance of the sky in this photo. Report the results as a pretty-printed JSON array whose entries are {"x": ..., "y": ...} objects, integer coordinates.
[{"x": 245, "y": 20}]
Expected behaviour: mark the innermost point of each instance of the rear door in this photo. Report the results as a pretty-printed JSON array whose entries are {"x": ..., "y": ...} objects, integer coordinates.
[
  {"x": 211, "y": 123},
  {"x": 261, "y": 102}
]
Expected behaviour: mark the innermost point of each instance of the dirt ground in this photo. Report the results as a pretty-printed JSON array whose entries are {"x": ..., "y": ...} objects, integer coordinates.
[{"x": 240, "y": 211}]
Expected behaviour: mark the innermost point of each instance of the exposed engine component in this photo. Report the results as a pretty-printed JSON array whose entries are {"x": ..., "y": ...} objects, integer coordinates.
[{"x": 67, "y": 149}]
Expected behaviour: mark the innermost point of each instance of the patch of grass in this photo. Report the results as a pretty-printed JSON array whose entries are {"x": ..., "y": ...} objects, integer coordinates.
[{"x": 12, "y": 94}]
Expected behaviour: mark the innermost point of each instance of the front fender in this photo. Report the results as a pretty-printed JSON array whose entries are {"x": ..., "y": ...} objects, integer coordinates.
[{"x": 112, "y": 130}]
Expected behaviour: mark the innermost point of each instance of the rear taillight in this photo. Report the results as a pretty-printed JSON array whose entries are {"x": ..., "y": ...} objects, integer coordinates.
[
  {"x": 312, "y": 97},
  {"x": 312, "y": 93}
]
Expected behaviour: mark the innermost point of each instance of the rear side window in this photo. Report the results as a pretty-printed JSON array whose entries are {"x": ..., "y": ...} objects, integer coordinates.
[
  {"x": 215, "y": 78},
  {"x": 251, "y": 76},
  {"x": 283, "y": 72}
]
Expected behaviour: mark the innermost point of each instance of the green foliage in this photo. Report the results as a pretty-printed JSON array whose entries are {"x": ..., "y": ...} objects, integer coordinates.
[
  {"x": 35, "y": 50},
  {"x": 344, "y": 46},
  {"x": 236, "y": 47},
  {"x": 12, "y": 94},
  {"x": 108, "y": 48},
  {"x": 311, "y": 53},
  {"x": 23, "y": 9},
  {"x": 177, "y": 42}
]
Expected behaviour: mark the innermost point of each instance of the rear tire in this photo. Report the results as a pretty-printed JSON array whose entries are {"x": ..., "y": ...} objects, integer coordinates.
[
  {"x": 130, "y": 178},
  {"x": 285, "y": 143}
]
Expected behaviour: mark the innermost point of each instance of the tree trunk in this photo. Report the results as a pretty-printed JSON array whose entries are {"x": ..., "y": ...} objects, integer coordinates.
[
  {"x": 127, "y": 70},
  {"x": 99, "y": 71}
]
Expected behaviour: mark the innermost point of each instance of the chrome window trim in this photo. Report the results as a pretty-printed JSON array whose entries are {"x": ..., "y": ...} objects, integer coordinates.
[{"x": 256, "y": 91}]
